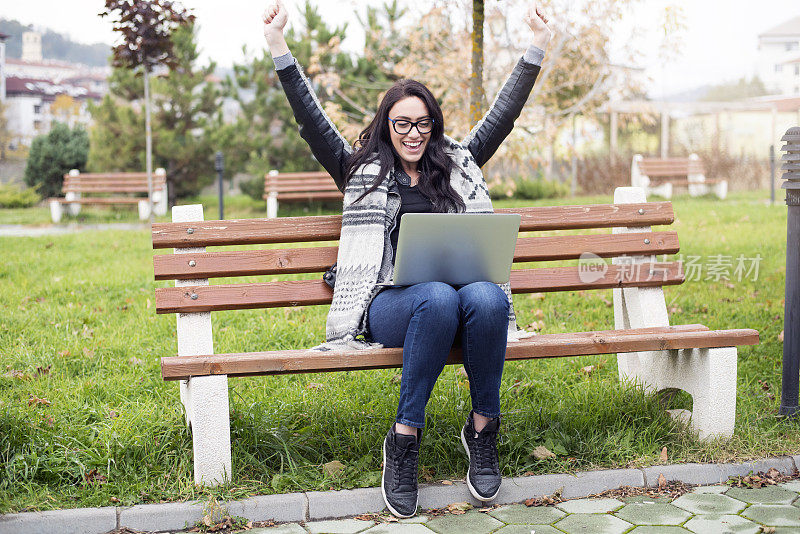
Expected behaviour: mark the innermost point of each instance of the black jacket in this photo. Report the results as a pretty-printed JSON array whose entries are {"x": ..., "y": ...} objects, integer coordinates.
[{"x": 333, "y": 151}]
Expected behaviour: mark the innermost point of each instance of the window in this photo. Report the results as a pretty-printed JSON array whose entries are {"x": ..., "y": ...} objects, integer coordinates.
[
  {"x": 792, "y": 46},
  {"x": 778, "y": 68},
  {"x": 37, "y": 108}
]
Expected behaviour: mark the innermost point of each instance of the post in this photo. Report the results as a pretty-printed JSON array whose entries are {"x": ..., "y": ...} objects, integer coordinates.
[
  {"x": 219, "y": 165},
  {"x": 771, "y": 175},
  {"x": 148, "y": 140},
  {"x": 791, "y": 311}
]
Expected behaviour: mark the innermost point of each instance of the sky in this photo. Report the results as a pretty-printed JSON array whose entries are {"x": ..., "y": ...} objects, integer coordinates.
[{"x": 718, "y": 44}]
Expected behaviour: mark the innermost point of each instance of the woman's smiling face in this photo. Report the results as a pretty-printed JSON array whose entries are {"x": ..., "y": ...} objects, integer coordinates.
[{"x": 411, "y": 145}]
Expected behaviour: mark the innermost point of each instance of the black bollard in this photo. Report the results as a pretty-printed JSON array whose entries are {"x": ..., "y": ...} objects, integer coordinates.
[
  {"x": 219, "y": 165},
  {"x": 791, "y": 317},
  {"x": 771, "y": 175}
]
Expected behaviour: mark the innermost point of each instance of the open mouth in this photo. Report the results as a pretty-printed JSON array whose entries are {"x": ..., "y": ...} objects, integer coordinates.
[{"x": 412, "y": 146}]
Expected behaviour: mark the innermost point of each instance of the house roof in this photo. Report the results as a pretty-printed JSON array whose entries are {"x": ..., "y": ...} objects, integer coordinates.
[
  {"x": 794, "y": 60},
  {"x": 3, "y": 36},
  {"x": 17, "y": 86},
  {"x": 789, "y": 27}
]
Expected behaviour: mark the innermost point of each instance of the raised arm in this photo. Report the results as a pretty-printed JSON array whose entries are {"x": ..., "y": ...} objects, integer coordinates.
[
  {"x": 485, "y": 138},
  {"x": 328, "y": 145}
]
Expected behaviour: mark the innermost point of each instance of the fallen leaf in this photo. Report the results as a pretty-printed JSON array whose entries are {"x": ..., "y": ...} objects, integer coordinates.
[
  {"x": 588, "y": 369},
  {"x": 662, "y": 480},
  {"x": 148, "y": 304},
  {"x": 462, "y": 372},
  {"x": 459, "y": 507},
  {"x": 63, "y": 353},
  {"x": 537, "y": 296},
  {"x": 333, "y": 468},
  {"x": 315, "y": 385},
  {"x": 112, "y": 414},
  {"x": 15, "y": 373},
  {"x": 780, "y": 336},
  {"x": 113, "y": 499},
  {"x": 43, "y": 370},
  {"x": 447, "y": 482},
  {"x": 767, "y": 530},
  {"x": 397, "y": 378},
  {"x": 663, "y": 456},
  {"x": 539, "y": 314},
  {"x": 93, "y": 477},
  {"x": 542, "y": 453},
  {"x": 34, "y": 400}
]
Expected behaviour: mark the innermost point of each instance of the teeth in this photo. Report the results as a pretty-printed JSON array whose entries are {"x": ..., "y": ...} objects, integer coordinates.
[{"x": 413, "y": 145}]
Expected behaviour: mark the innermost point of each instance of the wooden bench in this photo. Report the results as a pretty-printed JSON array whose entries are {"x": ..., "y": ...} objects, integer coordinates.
[
  {"x": 658, "y": 176},
  {"x": 650, "y": 351},
  {"x": 298, "y": 187},
  {"x": 110, "y": 188}
]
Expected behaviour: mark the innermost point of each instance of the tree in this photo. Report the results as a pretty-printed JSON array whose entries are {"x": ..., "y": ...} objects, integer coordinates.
[
  {"x": 184, "y": 107},
  {"x": 476, "y": 95},
  {"x": 146, "y": 27},
  {"x": 54, "y": 154},
  {"x": 5, "y": 133}
]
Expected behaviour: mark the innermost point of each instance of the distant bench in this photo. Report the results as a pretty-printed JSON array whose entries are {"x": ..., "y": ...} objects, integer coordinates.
[
  {"x": 658, "y": 176},
  {"x": 108, "y": 188},
  {"x": 298, "y": 187}
]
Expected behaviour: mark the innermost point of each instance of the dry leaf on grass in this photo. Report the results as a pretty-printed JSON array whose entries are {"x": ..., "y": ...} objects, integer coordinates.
[
  {"x": 447, "y": 482},
  {"x": 542, "y": 453},
  {"x": 539, "y": 314},
  {"x": 780, "y": 336},
  {"x": 33, "y": 400},
  {"x": 547, "y": 500},
  {"x": 333, "y": 468},
  {"x": 663, "y": 456},
  {"x": 462, "y": 372},
  {"x": 458, "y": 508},
  {"x": 315, "y": 385}
]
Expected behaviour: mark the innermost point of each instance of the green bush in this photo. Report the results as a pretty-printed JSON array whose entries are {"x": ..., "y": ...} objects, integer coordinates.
[
  {"x": 539, "y": 188},
  {"x": 53, "y": 155},
  {"x": 254, "y": 187},
  {"x": 501, "y": 190},
  {"x": 13, "y": 196}
]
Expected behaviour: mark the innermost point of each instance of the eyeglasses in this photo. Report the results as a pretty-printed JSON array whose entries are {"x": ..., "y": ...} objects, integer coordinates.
[{"x": 402, "y": 126}]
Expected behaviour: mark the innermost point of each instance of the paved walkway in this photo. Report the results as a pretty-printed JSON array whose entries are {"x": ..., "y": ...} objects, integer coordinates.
[
  {"x": 23, "y": 230},
  {"x": 705, "y": 510}
]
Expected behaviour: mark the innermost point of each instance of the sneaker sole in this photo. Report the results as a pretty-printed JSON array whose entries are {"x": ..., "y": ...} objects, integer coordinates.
[
  {"x": 469, "y": 484},
  {"x": 383, "y": 491}
]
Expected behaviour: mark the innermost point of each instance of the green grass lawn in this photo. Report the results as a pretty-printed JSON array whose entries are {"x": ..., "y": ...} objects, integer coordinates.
[{"x": 86, "y": 420}]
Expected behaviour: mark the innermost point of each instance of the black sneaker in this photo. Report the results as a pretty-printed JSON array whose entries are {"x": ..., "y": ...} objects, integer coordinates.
[
  {"x": 483, "y": 476},
  {"x": 399, "y": 485}
]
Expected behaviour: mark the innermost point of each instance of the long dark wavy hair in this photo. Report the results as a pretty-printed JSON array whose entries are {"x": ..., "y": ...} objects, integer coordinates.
[{"x": 375, "y": 144}]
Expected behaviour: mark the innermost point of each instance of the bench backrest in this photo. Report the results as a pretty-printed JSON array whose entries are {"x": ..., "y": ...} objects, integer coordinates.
[
  {"x": 669, "y": 167},
  {"x": 191, "y": 262},
  {"x": 298, "y": 182},
  {"x": 112, "y": 182}
]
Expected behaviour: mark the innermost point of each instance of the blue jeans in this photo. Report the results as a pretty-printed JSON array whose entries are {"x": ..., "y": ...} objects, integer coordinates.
[{"x": 425, "y": 319}]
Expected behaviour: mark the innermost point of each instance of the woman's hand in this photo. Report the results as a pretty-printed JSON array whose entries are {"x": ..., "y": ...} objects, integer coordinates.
[
  {"x": 538, "y": 23},
  {"x": 275, "y": 17}
]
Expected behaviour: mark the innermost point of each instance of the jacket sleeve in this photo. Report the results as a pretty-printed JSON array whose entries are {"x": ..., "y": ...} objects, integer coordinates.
[
  {"x": 329, "y": 147},
  {"x": 494, "y": 127}
]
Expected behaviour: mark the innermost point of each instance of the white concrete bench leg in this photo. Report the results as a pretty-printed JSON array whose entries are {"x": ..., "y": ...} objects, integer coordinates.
[
  {"x": 55, "y": 210},
  {"x": 664, "y": 190},
  {"x": 74, "y": 208},
  {"x": 272, "y": 205},
  {"x": 205, "y": 398},
  {"x": 161, "y": 197},
  {"x": 708, "y": 375},
  {"x": 721, "y": 189},
  {"x": 144, "y": 210}
]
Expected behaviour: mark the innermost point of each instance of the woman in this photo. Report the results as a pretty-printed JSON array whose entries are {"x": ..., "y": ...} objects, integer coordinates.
[{"x": 404, "y": 163}]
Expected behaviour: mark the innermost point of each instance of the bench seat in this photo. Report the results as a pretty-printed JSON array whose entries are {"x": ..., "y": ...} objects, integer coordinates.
[{"x": 539, "y": 346}]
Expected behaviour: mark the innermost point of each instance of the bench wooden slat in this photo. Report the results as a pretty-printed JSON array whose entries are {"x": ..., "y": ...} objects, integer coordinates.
[
  {"x": 299, "y": 175},
  {"x": 313, "y": 188},
  {"x": 329, "y": 195},
  {"x": 102, "y": 175},
  {"x": 102, "y": 200},
  {"x": 318, "y": 259},
  {"x": 100, "y": 190},
  {"x": 313, "y": 292},
  {"x": 327, "y": 181},
  {"x": 540, "y": 346},
  {"x": 327, "y": 228}
]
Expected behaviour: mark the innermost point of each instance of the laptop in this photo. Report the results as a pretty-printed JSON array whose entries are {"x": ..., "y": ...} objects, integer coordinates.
[{"x": 455, "y": 248}]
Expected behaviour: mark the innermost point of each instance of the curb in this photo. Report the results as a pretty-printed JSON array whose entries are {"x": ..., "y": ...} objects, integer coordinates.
[{"x": 315, "y": 505}]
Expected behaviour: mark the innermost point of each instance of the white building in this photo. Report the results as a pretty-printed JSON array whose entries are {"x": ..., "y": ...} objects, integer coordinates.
[
  {"x": 779, "y": 58},
  {"x": 3, "y": 38}
]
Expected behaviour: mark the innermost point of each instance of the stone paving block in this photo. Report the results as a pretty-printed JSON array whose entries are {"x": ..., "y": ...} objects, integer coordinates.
[
  {"x": 527, "y": 515},
  {"x": 658, "y": 529},
  {"x": 289, "y": 528},
  {"x": 416, "y": 519},
  {"x": 518, "y": 489},
  {"x": 339, "y": 526},
  {"x": 765, "y": 495},
  {"x": 73, "y": 521},
  {"x": 439, "y": 495},
  {"x": 527, "y": 529},
  {"x": 792, "y": 485},
  {"x": 280, "y": 508},
  {"x": 721, "y": 524},
  {"x": 473, "y": 522},
  {"x": 398, "y": 528},
  {"x": 708, "y": 503},
  {"x": 705, "y": 474},
  {"x": 652, "y": 514},
  {"x": 710, "y": 489},
  {"x": 590, "y": 506},
  {"x": 593, "y": 524},
  {"x": 784, "y": 464},
  {"x": 325, "y": 504},
  {"x": 775, "y": 515},
  {"x": 157, "y": 517},
  {"x": 646, "y": 499}
]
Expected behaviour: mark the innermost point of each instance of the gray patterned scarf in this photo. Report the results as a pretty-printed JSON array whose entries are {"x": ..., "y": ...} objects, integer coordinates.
[{"x": 364, "y": 262}]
